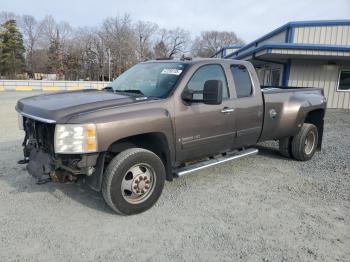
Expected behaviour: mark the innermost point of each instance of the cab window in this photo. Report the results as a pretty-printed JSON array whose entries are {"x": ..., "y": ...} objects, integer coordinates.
[
  {"x": 243, "y": 83},
  {"x": 208, "y": 72}
]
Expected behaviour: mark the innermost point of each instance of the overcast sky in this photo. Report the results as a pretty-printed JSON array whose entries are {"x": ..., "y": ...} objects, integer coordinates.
[{"x": 248, "y": 18}]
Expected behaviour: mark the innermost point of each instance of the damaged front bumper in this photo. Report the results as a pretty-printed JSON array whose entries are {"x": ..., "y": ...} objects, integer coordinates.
[
  {"x": 44, "y": 167},
  {"x": 39, "y": 164}
]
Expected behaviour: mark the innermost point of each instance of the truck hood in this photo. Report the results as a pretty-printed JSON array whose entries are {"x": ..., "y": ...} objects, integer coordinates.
[{"x": 59, "y": 107}]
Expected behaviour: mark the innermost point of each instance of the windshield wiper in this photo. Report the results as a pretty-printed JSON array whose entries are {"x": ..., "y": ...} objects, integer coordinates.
[
  {"x": 108, "y": 89},
  {"x": 133, "y": 91}
]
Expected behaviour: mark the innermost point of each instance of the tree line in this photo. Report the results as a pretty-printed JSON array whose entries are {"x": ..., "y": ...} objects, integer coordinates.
[{"x": 29, "y": 46}]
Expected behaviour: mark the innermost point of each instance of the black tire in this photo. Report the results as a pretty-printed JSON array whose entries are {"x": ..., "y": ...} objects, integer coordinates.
[
  {"x": 118, "y": 169},
  {"x": 285, "y": 146},
  {"x": 300, "y": 150}
]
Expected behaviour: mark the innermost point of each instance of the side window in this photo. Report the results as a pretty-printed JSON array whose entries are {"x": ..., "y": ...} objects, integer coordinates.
[
  {"x": 275, "y": 77},
  {"x": 208, "y": 72},
  {"x": 242, "y": 80},
  {"x": 344, "y": 81}
]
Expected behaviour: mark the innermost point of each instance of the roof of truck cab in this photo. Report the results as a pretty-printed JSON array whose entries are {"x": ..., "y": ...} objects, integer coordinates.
[{"x": 194, "y": 61}]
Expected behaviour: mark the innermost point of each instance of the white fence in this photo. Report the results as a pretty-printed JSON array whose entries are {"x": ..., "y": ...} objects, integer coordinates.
[{"x": 43, "y": 85}]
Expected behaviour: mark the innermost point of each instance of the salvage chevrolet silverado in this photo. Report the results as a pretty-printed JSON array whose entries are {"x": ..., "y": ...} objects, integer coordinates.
[{"x": 162, "y": 119}]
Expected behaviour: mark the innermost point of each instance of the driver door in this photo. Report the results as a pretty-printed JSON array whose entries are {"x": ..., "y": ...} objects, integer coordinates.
[{"x": 202, "y": 129}]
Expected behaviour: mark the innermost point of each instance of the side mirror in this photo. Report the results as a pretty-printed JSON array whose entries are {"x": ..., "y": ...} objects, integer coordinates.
[
  {"x": 187, "y": 95},
  {"x": 212, "y": 92}
]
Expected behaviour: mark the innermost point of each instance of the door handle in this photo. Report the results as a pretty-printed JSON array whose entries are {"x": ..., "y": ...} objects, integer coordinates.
[{"x": 227, "y": 110}]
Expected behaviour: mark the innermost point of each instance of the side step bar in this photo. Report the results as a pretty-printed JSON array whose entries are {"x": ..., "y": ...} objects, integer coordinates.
[{"x": 213, "y": 162}]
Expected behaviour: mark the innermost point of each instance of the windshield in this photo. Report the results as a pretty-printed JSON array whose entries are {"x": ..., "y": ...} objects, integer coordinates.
[{"x": 149, "y": 79}]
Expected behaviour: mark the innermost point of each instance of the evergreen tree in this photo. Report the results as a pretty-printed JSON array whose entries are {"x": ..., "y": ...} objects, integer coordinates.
[
  {"x": 160, "y": 50},
  {"x": 53, "y": 56},
  {"x": 11, "y": 50},
  {"x": 56, "y": 57}
]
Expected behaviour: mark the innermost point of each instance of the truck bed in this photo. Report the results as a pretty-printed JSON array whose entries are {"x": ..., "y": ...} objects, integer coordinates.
[{"x": 288, "y": 103}]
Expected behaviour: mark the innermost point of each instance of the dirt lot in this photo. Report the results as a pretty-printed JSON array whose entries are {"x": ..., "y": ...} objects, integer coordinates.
[{"x": 262, "y": 208}]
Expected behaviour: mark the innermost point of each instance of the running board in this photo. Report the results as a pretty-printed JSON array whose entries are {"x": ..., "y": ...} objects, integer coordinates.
[{"x": 213, "y": 162}]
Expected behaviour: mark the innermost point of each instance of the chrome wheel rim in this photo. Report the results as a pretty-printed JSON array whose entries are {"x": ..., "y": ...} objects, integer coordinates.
[
  {"x": 138, "y": 183},
  {"x": 310, "y": 142}
]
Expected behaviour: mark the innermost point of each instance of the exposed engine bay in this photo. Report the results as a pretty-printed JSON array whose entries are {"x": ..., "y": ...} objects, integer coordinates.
[{"x": 43, "y": 163}]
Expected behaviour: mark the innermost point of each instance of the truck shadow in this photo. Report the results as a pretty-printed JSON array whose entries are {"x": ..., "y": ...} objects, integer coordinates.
[
  {"x": 14, "y": 179},
  {"x": 17, "y": 177},
  {"x": 78, "y": 192},
  {"x": 83, "y": 194}
]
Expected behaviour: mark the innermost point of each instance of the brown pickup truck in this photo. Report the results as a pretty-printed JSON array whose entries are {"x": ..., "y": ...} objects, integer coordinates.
[{"x": 163, "y": 119}]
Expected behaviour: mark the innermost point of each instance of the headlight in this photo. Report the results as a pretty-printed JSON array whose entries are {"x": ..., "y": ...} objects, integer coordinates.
[
  {"x": 20, "y": 122},
  {"x": 75, "y": 139}
]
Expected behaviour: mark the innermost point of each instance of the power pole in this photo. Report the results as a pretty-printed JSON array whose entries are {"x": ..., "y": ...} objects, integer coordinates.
[{"x": 109, "y": 64}]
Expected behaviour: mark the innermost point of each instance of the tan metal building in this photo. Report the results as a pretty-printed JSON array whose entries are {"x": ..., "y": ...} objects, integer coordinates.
[{"x": 305, "y": 54}]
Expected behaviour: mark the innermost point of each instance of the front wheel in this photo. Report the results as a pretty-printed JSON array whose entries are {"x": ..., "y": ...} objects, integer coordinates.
[
  {"x": 133, "y": 181},
  {"x": 304, "y": 144}
]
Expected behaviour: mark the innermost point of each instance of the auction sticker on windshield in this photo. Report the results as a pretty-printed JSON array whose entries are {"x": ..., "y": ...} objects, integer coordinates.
[{"x": 171, "y": 71}]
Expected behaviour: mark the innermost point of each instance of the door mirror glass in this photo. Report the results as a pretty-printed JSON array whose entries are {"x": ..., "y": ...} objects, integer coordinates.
[
  {"x": 187, "y": 95},
  {"x": 212, "y": 92}
]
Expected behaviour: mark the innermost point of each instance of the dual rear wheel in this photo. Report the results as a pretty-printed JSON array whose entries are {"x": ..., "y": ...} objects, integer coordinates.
[{"x": 303, "y": 145}]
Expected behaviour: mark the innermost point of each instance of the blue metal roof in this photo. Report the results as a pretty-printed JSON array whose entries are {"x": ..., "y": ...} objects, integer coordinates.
[
  {"x": 288, "y": 27},
  {"x": 226, "y": 47},
  {"x": 295, "y": 46},
  {"x": 232, "y": 46}
]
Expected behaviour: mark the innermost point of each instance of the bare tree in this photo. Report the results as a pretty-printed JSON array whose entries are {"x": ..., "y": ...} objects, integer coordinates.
[
  {"x": 57, "y": 35},
  {"x": 51, "y": 29},
  {"x": 83, "y": 53},
  {"x": 101, "y": 55},
  {"x": 211, "y": 41},
  {"x": 118, "y": 35},
  {"x": 144, "y": 32},
  {"x": 31, "y": 30},
  {"x": 6, "y": 16},
  {"x": 172, "y": 42},
  {"x": 92, "y": 52}
]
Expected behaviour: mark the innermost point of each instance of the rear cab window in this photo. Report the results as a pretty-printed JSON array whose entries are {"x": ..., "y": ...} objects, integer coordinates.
[{"x": 242, "y": 80}]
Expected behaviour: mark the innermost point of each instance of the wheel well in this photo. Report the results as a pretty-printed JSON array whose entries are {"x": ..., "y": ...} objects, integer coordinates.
[
  {"x": 315, "y": 117},
  {"x": 155, "y": 142}
]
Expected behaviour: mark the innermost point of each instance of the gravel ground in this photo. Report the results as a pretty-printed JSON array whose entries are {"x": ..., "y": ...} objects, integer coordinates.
[{"x": 261, "y": 208}]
